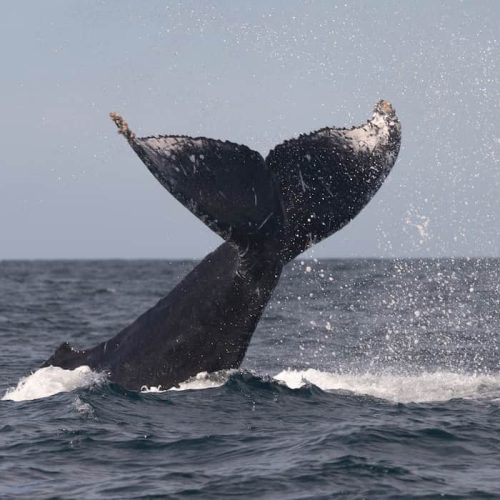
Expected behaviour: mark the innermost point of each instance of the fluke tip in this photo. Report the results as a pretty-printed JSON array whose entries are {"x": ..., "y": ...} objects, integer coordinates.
[{"x": 122, "y": 125}]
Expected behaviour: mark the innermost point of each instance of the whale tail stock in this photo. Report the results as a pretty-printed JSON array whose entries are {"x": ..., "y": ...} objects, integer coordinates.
[{"x": 306, "y": 189}]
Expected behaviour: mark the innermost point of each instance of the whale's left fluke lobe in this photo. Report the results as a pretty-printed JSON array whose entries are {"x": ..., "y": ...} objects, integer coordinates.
[
  {"x": 268, "y": 211},
  {"x": 326, "y": 177}
]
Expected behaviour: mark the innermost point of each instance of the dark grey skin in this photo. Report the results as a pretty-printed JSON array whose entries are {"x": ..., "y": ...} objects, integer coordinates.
[
  {"x": 204, "y": 324},
  {"x": 268, "y": 211}
]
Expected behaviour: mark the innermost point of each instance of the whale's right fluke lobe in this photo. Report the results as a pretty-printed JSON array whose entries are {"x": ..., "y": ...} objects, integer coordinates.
[{"x": 226, "y": 185}]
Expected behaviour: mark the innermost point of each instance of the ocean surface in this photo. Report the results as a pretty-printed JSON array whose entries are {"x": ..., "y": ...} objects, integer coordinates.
[{"x": 364, "y": 379}]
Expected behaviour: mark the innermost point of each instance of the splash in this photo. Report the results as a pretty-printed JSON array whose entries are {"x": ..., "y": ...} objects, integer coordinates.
[
  {"x": 426, "y": 387},
  {"x": 52, "y": 380},
  {"x": 420, "y": 223}
]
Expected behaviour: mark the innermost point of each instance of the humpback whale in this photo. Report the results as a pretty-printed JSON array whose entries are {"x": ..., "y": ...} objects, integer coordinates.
[{"x": 268, "y": 211}]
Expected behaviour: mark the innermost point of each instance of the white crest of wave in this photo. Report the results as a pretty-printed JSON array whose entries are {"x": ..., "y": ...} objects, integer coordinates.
[
  {"x": 202, "y": 380},
  {"x": 52, "y": 380},
  {"x": 425, "y": 387}
]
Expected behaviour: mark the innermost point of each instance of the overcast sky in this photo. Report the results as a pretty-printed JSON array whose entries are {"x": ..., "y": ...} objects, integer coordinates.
[{"x": 252, "y": 72}]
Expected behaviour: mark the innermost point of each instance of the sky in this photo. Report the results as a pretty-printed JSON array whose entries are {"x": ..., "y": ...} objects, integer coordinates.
[{"x": 255, "y": 73}]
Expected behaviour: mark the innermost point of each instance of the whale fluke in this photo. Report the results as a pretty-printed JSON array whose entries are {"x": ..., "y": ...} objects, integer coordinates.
[
  {"x": 268, "y": 211},
  {"x": 305, "y": 190}
]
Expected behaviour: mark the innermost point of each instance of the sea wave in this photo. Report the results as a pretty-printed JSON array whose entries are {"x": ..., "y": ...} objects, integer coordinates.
[{"x": 422, "y": 388}]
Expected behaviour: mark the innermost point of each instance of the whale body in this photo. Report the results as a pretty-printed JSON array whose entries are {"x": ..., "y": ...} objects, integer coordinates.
[{"x": 268, "y": 211}]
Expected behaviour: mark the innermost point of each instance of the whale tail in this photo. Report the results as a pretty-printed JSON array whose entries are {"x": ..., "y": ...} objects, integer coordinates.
[
  {"x": 268, "y": 211},
  {"x": 305, "y": 190}
]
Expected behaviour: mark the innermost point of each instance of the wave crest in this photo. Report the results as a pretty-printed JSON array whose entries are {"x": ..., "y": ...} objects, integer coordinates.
[
  {"x": 421, "y": 388},
  {"x": 52, "y": 380},
  {"x": 425, "y": 387}
]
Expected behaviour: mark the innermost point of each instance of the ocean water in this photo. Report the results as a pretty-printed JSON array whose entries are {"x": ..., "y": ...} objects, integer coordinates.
[{"x": 364, "y": 379}]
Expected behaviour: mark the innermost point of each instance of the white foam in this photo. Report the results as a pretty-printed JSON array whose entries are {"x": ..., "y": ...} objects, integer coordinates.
[
  {"x": 52, "y": 380},
  {"x": 426, "y": 387},
  {"x": 153, "y": 388},
  {"x": 202, "y": 380}
]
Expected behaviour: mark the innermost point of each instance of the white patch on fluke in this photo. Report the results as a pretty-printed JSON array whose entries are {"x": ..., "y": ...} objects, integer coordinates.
[
  {"x": 160, "y": 144},
  {"x": 367, "y": 138},
  {"x": 51, "y": 380},
  {"x": 426, "y": 387}
]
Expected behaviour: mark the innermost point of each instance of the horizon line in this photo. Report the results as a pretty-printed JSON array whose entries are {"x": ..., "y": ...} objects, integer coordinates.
[{"x": 187, "y": 259}]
